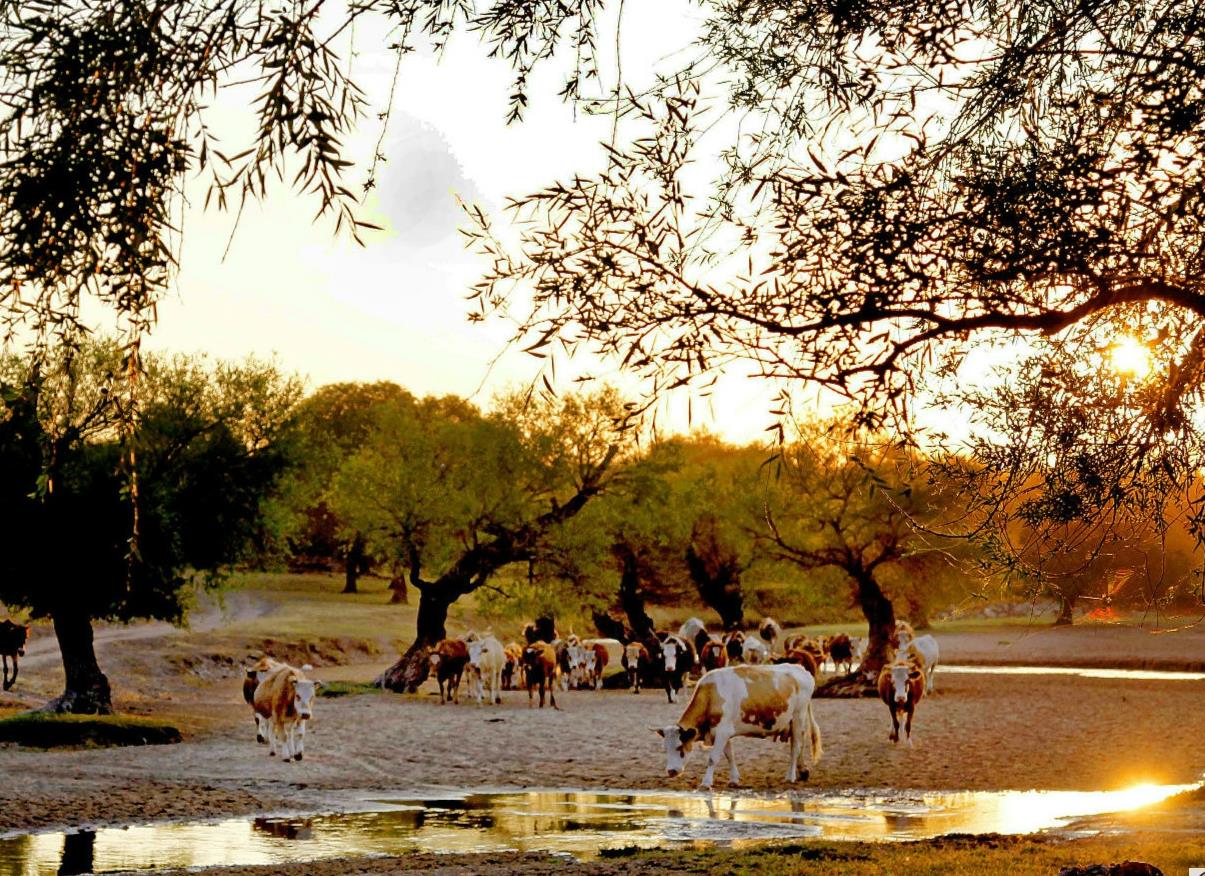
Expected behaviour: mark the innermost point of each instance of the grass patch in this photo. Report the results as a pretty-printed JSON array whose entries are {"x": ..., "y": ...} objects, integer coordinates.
[
  {"x": 347, "y": 688},
  {"x": 45, "y": 730}
]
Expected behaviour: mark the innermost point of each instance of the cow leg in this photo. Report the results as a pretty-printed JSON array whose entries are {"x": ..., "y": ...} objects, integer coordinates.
[
  {"x": 895, "y": 725},
  {"x": 669, "y": 687},
  {"x": 441, "y": 689},
  {"x": 928, "y": 687},
  {"x": 261, "y": 729},
  {"x": 7, "y": 684},
  {"x": 299, "y": 741},
  {"x": 734, "y": 776},
  {"x": 723, "y": 743},
  {"x": 529, "y": 694},
  {"x": 908, "y": 724},
  {"x": 497, "y": 685}
]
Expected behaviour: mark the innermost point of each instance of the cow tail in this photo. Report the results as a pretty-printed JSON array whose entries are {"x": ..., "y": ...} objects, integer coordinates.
[{"x": 817, "y": 745}]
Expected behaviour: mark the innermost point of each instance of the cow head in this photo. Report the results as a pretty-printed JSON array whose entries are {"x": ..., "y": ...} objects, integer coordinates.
[
  {"x": 669, "y": 650},
  {"x": 476, "y": 646},
  {"x": 902, "y": 674},
  {"x": 303, "y": 697},
  {"x": 631, "y": 653},
  {"x": 678, "y": 741}
]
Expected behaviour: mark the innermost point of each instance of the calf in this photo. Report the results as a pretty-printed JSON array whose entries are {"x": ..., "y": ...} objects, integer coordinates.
[
  {"x": 678, "y": 658},
  {"x": 901, "y": 686},
  {"x": 252, "y": 677},
  {"x": 285, "y": 699},
  {"x": 486, "y": 662},
  {"x": 448, "y": 660},
  {"x": 539, "y": 667},
  {"x": 635, "y": 658},
  {"x": 13, "y": 637},
  {"x": 773, "y": 701},
  {"x": 841, "y": 652}
]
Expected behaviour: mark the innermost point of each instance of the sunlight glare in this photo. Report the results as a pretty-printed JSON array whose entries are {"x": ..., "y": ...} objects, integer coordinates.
[{"x": 1130, "y": 358}]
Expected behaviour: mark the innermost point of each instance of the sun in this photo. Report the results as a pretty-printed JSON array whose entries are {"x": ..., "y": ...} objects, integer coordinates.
[{"x": 1130, "y": 358}]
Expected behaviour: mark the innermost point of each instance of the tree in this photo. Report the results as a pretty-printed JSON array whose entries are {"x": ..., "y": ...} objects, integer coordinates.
[
  {"x": 458, "y": 495},
  {"x": 211, "y": 443},
  {"x": 334, "y": 423},
  {"x": 843, "y": 501}
]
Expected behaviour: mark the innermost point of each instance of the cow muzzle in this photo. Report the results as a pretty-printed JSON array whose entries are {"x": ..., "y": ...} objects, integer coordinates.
[
  {"x": 901, "y": 702},
  {"x": 20, "y": 652},
  {"x": 672, "y": 773}
]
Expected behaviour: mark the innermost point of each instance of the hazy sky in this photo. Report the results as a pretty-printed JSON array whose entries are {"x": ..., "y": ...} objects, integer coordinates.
[{"x": 396, "y": 309}]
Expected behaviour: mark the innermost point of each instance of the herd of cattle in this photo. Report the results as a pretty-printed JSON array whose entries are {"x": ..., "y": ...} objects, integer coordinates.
[{"x": 748, "y": 685}]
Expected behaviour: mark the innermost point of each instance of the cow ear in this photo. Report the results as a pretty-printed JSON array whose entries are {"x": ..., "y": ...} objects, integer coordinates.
[
  {"x": 319, "y": 685},
  {"x": 688, "y": 733},
  {"x": 660, "y": 731},
  {"x": 914, "y": 674}
]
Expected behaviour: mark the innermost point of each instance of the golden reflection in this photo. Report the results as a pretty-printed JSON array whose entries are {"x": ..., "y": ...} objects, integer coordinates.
[{"x": 1130, "y": 358}]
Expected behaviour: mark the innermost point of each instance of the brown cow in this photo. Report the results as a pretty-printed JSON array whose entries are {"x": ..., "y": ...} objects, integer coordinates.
[
  {"x": 599, "y": 663},
  {"x": 713, "y": 655},
  {"x": 12, "y": 644},
  {"x": 448, "y": 660},
  {"x": 901, "y": 686},
  {"x": 263, "y": 667},
  {"x": 539, "y": 667},
  {"x": 799, "y": 657},
  {"x": 841, "y": 652},
  {"x": 285, "y": 700},
  {"x": 514, "y": 664}
]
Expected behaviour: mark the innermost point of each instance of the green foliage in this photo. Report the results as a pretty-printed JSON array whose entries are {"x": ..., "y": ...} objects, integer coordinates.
[
  {"x": 209, "y": 447},
  {"x": 46, "y": 730}
]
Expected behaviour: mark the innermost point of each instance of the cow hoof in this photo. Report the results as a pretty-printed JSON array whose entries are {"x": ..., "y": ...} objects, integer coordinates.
[
  {"x": 261, "y": 740},
  {"x": 297, "y": 756},
  {"x": 803, "y": 776},
  {"x": 271, "y": 754},
  {"x": 497, "y": 701}
]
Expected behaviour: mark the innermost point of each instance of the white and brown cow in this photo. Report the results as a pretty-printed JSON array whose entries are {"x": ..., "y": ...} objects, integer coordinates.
[
  {"x": 252, "y": 676},
  {"x": 923, "y": 648},
  {"x": 487, "y": 659},
  {"x": 678, "y": 659},
  {"x": 540, "y": 669},
  {"x": 635, "y": 658},
  {"x": 901, "y": 687},
  {"x": 771, "y": 632},
  {"x": 774, "y": 701},
  {"x": 285, "y": 699}
]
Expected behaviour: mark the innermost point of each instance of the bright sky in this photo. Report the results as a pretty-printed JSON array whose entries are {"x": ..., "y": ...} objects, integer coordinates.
[{"x": 396, "y": 309}]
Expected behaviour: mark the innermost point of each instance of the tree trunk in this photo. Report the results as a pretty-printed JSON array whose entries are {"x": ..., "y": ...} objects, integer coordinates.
[
  {"x": 609, "y": 628},
  {"x": 412, "y": 668},
  {"x": 1066, "y": 610},
  {"x": 716, "y": 573},
  {"x": 880, "y": 619},
  {"x": 630, "y": 598},
  {"x": 353, "y": 563},
  {"x": 87, "y": 690}
]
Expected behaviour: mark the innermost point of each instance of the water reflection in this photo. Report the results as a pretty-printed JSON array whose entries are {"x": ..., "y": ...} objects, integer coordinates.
[
  {"x": 1081, "y": 672},
  {"x": 568, "y": 821}
]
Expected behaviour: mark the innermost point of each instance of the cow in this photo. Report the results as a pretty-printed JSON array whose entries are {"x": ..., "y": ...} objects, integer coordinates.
[
  {"x": 770, "y": 631},
  {"x": 598, "y": 659},
  {"x": 734, "y": 646},
  {"x": 712, "y": 655},
  {"x": 678, "y": 658},
  {"x": 635, "y": 659},
  {"x": 695, "y": 632},
  {"x": 514, "y": 664},
  {"x": 774, "y": 701},
  {"x": 901, "y": 687},
  {"x": 252, "y": 676},
  {"x": 285, "y": 700},
  {"x": 841, "y": 652},
  {"x": 799, "y": 657},
  {"x": 539, "y": 668},
  {"x": 754, "y": 650},
  {"x": 924, "y": 647},
  {"x": 13, "y": 637},
  {"x": 448, "y": 659},
  {"x": 486, "y": 662}
]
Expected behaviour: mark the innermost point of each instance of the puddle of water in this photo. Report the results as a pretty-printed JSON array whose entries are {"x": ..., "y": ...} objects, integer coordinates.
[
  {"x": 1130, "y": 674},
  {"x": 576, "y": 822}
]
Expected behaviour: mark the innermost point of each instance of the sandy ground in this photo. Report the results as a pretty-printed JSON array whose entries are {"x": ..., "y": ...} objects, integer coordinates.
[{"x": 978, "y": 732}]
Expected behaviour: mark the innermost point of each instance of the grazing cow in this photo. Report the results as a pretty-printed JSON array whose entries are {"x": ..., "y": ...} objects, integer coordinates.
[
  {"x": 799, "y": 657},
  {"x": 253, "y": 675},
  {"x": 635, "y": 659},
  {"x": 925, "y": 649},
  {"x": 486, "y": 662},
  {"x": 841, "y": 652},
  {"x": 770, "y": 631},
  {"x": 539, "y": 668},
  {"x": 774, "y": 701},
  {"x": 713, "y": 655},
  {"x": 13, "y": 637},
  {"x": 734, "y": 646},
  {"x": 285, "y": 699},
  {"x": 448, "y": 660},
  {"x": 901, "y": 686},
  {"x": 754, "y": 650},
  {"x": 514, "y": 664},
  {"x": 678, "y": 658}
]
